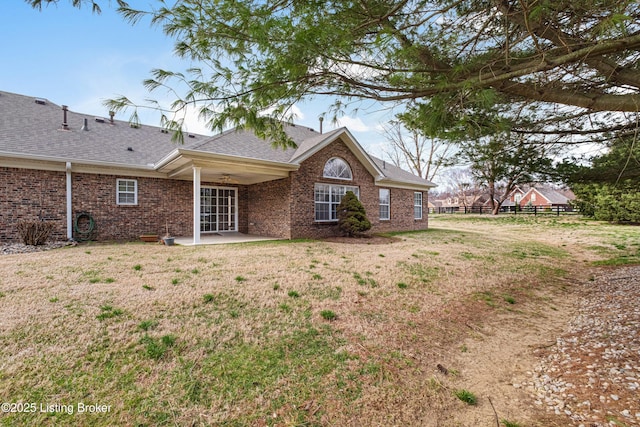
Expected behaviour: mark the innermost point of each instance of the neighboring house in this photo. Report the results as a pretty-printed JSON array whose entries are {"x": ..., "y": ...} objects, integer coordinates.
[
  {"x": 59, "y": 166},
  {"x": 547, "y": 197},
  {"x": 512, "y": 200},
  {"x": 457, "y": 204}
]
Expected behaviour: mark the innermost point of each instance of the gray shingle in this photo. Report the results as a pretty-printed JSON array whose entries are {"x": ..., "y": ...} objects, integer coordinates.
[
  {"x": 29, "y": 128},
  {"x": 398, "y": 174}
]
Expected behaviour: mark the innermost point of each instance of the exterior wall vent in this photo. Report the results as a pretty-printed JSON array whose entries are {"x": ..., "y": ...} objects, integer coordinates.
[{"x": 40, "y": 101}]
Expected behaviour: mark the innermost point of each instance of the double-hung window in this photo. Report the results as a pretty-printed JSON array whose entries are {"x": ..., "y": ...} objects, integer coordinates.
[
  {"x": 385, "y": 202},
  {"x": 327, "y": 198},
  {"x": 127, "y": 192},
  {"x": 417, "y": 205}
]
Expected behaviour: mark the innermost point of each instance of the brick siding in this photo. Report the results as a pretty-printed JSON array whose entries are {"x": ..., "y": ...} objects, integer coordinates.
[
  {"x": 161, "y": 203},
  {"x": 283, "y": 208},
  {"x": 270, "y": 209},
  {"x": 28, "y": 195},
  {"x": 303, "y": 205}
]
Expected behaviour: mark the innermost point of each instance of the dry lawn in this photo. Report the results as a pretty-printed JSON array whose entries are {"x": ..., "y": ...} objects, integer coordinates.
[{"x": 245, "y": 334}]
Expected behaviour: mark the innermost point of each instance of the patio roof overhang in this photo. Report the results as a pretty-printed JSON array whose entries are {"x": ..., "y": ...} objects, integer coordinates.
[{"x": 222, "y": 168}]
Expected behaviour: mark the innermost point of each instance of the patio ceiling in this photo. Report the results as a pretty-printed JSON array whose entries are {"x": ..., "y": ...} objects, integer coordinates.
[{"x": 222, "y": 168}]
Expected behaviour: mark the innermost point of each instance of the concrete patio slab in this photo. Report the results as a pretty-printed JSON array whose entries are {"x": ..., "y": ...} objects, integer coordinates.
[{"x": 222, "y": 238}]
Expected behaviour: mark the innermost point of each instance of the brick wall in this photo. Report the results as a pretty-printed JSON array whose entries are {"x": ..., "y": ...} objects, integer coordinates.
[
  {"x": 269, "y": 208},
  {"x": 27, "y": 195},
  {"x": 401, "y": 210},
  {"x": 303, "y": 206},
  {"x": 161, "y": 202}
]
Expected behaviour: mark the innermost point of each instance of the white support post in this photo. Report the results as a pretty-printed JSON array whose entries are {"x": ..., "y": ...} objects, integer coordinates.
[
  {"x": 69, "y": 204},
  {"x": 196, "y": 205}
]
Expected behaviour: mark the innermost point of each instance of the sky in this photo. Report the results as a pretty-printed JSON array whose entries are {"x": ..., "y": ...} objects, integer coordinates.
[{"x": 80, "y": 59}]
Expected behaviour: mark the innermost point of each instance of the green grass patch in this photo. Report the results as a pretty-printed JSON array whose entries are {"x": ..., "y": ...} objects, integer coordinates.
[
  {"x": 108, "y": 312},
  {"x": 365, "y": 281},
  {"x": 619, "y": 261},
  {"x": 530, "y": 249},
  {"x": 293, "y": 294},
  {"x": 157, "y": 348},
  {"x": 147, "y": 325},
  {"x": 466, "y": 396},
  {"x": 328, "y": 315},
  {"x": 419, "y": 272}
]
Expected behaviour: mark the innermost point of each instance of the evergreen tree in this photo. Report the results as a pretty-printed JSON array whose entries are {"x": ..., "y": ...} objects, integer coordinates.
[
  {"x": 352, "y": 218},
  {"x": 608, "y": 188}
]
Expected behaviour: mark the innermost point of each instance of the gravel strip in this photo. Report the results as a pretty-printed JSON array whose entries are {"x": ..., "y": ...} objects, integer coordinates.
[
  {"x": 21, "y": 248},
  {"x": 592, "y": 374}
]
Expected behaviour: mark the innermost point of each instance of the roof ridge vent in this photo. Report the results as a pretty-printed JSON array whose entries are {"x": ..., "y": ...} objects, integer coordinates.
[{"x": 100, "y": 119}]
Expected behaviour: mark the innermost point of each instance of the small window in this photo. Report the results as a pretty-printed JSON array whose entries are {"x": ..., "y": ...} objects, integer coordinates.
[
  {"x": 127, "y": 192},
  {"x": 385, "y": 202},
  {"x": 417, "y": 205},
  {"x": 533, "y": 197},
  {"x": 337, "y": 168}
]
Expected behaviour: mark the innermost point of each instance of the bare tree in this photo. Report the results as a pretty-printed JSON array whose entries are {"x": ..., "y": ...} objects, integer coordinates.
[
  {"x": 463, "y": 184},
  {"x": 422, "y": 155}
]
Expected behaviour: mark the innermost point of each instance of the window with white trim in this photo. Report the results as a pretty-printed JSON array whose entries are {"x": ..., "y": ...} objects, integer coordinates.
[
  {"x": 417, "y": 205},
  {"x": 327, "y": 198},
  {"x": 337, "y": 168},
  {"x": 127, "y": 192},
  {"x": 385, "y": 204}
]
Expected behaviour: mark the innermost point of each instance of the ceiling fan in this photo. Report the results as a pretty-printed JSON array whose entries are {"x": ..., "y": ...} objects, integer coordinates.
[{"x": 228, "y": 179}]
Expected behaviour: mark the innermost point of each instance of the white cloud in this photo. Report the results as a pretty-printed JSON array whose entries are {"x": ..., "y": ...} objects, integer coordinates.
[{"x": 353, "y": 124}]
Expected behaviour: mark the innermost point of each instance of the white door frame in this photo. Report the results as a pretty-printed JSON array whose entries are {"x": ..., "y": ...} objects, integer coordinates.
[{"x": 231, "y": 220}]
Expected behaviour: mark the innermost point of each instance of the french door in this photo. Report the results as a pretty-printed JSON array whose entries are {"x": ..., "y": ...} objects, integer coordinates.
[{"x": 218, "y": 209}]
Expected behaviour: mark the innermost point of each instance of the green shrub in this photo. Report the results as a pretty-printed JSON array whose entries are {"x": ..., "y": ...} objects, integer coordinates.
[{"x": 352, "y": 218}]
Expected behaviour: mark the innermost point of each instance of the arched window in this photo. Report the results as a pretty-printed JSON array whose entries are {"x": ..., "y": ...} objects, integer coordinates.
[{"x": 337, "y": 168}]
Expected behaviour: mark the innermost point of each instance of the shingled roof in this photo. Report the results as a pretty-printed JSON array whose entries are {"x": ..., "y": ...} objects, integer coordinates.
[{"x": 33, "y": 128}]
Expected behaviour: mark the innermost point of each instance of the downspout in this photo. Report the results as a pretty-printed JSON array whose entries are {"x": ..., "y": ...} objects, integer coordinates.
[{"x": 69, "y": 206}]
